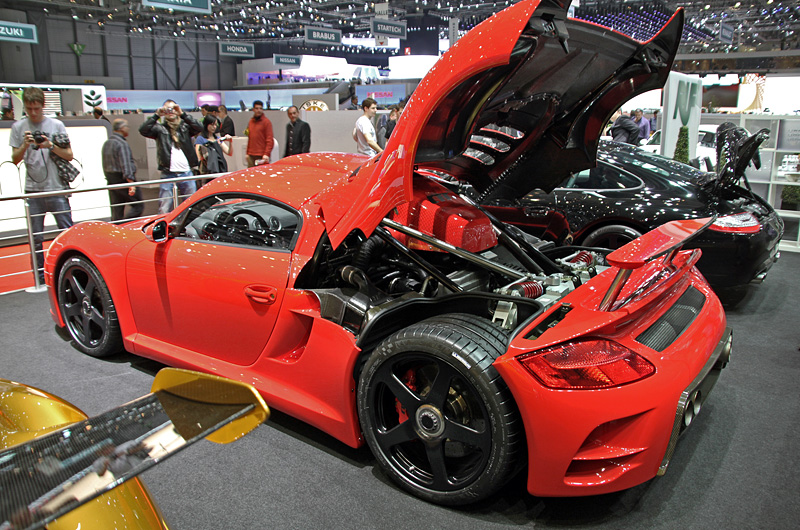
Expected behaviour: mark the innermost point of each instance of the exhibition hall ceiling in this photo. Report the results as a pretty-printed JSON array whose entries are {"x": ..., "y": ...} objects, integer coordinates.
[{"x": 717, "y": 25}]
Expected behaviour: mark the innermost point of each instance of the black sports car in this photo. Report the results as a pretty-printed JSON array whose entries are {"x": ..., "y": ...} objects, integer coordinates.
[{"x": 632, "y": 191}]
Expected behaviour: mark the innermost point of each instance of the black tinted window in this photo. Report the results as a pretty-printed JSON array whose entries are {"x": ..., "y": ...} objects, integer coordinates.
[{"x": 602, "y": 177}]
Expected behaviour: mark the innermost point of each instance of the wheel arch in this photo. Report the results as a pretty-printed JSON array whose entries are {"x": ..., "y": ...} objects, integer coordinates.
[
  {"x": 116, "y": 284},
  {"x": 610, "y": 221},
  {"x": 418, "y": 309}
]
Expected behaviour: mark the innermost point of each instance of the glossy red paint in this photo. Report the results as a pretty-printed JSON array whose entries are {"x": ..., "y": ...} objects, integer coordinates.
[
  {"x": 388, "y": 177},
  {"x": 438, "y": 212},
  {"x": 615, "y": 438},
  {"x": 279, "y": 317}
]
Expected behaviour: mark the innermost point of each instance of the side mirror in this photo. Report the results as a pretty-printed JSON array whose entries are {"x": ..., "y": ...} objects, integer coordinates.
[{"x": 157, "y": 232}]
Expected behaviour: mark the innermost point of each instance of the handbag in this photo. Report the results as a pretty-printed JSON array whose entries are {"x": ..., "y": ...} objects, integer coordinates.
[{"x": 66, "y": 171}]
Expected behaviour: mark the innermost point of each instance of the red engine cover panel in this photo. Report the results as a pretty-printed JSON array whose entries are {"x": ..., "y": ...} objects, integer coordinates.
[{"x": 440, "y": 213}]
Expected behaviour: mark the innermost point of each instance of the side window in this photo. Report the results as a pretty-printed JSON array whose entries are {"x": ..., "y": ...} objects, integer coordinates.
[
  {"x": 244, "y": 220},
  {"x": 602, "y": 177}
]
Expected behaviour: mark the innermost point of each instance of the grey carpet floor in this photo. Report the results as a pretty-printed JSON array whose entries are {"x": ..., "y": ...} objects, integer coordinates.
[{"x": 737, "y": 467}]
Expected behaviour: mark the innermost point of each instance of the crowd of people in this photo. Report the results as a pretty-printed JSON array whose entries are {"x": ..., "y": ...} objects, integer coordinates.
[{"x": 185, "y": 147}]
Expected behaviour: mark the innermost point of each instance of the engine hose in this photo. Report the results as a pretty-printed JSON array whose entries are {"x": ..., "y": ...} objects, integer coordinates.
[{"x": 365, "y": 252}]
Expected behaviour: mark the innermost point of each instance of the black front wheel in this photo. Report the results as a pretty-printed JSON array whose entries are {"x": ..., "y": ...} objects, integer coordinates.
[
  {"x": 87, "y": 308},
  {"x": 435, "y": 412}
]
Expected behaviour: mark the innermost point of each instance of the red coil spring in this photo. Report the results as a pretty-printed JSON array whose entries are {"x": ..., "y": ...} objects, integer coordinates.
[
  {"x": 582, "y": 257},
  {"x": 529, "y": 289}
]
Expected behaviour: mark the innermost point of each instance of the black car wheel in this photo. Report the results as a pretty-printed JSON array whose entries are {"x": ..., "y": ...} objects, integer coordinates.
[
  {"x": 87, "y": 308},
  {"x": 611, "y": 236},
  {"x": 435, "y": 412}
]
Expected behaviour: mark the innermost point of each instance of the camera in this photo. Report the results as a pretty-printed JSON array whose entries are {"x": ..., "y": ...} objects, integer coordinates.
[{"x": 38, "y": 137}]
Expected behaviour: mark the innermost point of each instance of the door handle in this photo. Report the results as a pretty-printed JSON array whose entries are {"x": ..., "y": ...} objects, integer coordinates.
[{"x": 263, "y": 294}]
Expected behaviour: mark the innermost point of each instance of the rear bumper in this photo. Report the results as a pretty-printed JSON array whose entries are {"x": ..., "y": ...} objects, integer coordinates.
[
  {"x": 592, "y": 442},
  {"x": 730, "y": 260}
]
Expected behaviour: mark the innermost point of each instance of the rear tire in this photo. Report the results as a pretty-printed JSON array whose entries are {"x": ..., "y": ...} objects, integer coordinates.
[
  {"x": 611, "y": 236},
  {"x": 436, "y": 414},
  {"x": 87, "y": 308}
]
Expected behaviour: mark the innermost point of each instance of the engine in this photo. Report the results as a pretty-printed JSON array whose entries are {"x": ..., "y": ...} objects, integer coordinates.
[{"x": 439, "y": 254}]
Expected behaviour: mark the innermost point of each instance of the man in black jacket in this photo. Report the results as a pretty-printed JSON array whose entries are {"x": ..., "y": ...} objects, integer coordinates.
[
  {"x": 624, "y": 129},
  {"x": 298, "y": 134},
  {"x": 174, "y": 149}
]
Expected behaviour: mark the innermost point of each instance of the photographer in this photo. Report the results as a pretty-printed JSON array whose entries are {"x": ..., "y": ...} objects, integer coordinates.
[
  {"x": 31, "y": 140},
  {"x": 174, "y": 149}
]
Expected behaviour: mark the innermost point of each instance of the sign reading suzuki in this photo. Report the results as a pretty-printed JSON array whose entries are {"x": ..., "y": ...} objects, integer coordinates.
[
  {"x": 193, "y": 6},
  {"x": 388, "y": 28},
  {"x": 18, "y": 32},
  {"x": 237, "y": 49},
  {"x": 322, "y": 35}
]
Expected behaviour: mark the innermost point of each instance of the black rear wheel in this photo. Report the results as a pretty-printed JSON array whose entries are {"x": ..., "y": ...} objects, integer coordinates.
[
  {"x": 435, "y": 412},
  {"x": 87, "y": 308}
]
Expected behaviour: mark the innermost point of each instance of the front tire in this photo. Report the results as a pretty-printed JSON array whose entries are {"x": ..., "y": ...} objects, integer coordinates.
[
  {"x": 435, "y": 412},
  {"x": 87, "y": 308}
]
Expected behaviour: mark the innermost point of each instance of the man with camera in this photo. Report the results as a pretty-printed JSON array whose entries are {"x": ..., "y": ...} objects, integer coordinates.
[
  {"x": 174, "y": 149},
  {"x": 32, "y": 140}
]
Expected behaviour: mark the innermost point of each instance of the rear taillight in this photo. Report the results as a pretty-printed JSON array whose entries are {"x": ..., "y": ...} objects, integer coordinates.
[
  {"x": 742, "y": 223},
  {"x": 586, "y": 364}
]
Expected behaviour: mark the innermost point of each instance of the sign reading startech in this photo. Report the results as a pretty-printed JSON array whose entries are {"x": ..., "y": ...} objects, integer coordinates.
[
  {"x": 322, "y": 35},
  {"x": 389, "y": 28},
  {"x": 237, "y": 49},
  {"x": 287, "y": 62},
  {"x": 193, "y": 6},
  {"x": 18, "y": 32}
]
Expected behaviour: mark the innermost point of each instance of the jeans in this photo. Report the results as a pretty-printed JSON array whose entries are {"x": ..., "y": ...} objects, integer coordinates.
[
  {"x": 59, "y": 207},
  {"x": 165, "y": 193}
]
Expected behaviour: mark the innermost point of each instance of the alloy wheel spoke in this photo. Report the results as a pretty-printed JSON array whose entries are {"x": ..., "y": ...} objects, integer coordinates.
[
  {"x": 462, "y": 433},
  {"x": 437, "y": 461},
  {"x": 77, "y": 290},
  {"x": 407, "y": 397},
  {"x": 441, "y": 385},
  {"x": 97, "y": 317},
  {"x": 397, "y": 435},
  {"x": 72, "y": 310}
]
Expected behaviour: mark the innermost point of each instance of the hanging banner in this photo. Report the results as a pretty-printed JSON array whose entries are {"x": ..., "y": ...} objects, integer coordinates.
[
  {"x": 237, "y": 49},
  {"x": 93, "y": 96},
  {"x": 193, "y": 6},
  {"x": 452, "y": 30},
  {"x": 388, "y": 28},
  {"x": 18, "y": 32},
  {"x": 287, "y": 62},
  {"x": 315, "y": 35}
]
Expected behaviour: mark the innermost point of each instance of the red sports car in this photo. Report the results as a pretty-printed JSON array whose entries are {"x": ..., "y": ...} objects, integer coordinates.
[{"x": 362, "y": 296}]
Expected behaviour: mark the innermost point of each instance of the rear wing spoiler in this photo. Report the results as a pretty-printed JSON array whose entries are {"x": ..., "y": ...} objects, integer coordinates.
[
  {"x": 53, "y": 474},
  {"x": 662, "y": 242}
]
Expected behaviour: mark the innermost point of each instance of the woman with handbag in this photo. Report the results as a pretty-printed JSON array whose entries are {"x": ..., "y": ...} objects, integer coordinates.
[{"x": 211, "y": 148}]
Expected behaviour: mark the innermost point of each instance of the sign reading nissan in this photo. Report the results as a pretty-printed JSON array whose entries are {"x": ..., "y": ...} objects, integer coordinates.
[
  {"x": 237, "y": 49},
  {"x": 192, "y": 6},
  {"x": 286, "y": 62},
  {"x": 388, "y": 28},
  {"x": 315, "y": 35},
  {"x": 18, "y": 32}
]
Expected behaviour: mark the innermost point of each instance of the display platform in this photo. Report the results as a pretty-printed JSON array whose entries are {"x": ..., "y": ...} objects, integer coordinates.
[{"x": 735, "y": 468}]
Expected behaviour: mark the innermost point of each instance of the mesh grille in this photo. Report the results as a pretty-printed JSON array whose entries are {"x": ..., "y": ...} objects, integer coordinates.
[{"x": 674, "y": 322}]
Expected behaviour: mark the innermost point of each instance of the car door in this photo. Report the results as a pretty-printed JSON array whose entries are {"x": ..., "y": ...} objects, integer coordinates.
[{"x": 215, "y": 287}]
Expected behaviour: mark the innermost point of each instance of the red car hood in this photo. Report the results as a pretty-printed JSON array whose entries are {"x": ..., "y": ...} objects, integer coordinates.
[{"x": 517, "y": 104}]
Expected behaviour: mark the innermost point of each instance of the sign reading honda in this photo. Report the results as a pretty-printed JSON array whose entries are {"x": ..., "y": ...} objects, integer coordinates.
[
  {"x": 18, "y": 32},
  {"x": 237, "y": 49},
  {"x": 287, "y": 62},
  {"x": 389, "y": 28},
  {"x": 193, "y": 6},
  {"x": 315, "y": 35}
]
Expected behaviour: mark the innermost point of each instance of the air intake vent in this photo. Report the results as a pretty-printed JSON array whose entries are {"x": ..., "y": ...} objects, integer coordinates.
[{"x": 674, "y": 322}]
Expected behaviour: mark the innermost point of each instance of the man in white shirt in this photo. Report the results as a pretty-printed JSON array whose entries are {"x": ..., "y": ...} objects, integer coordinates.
[{"x": 364, "y": 132}]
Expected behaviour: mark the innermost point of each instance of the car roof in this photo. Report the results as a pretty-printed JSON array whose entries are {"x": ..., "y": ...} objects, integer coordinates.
[{"x": 293, "y": 180}]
